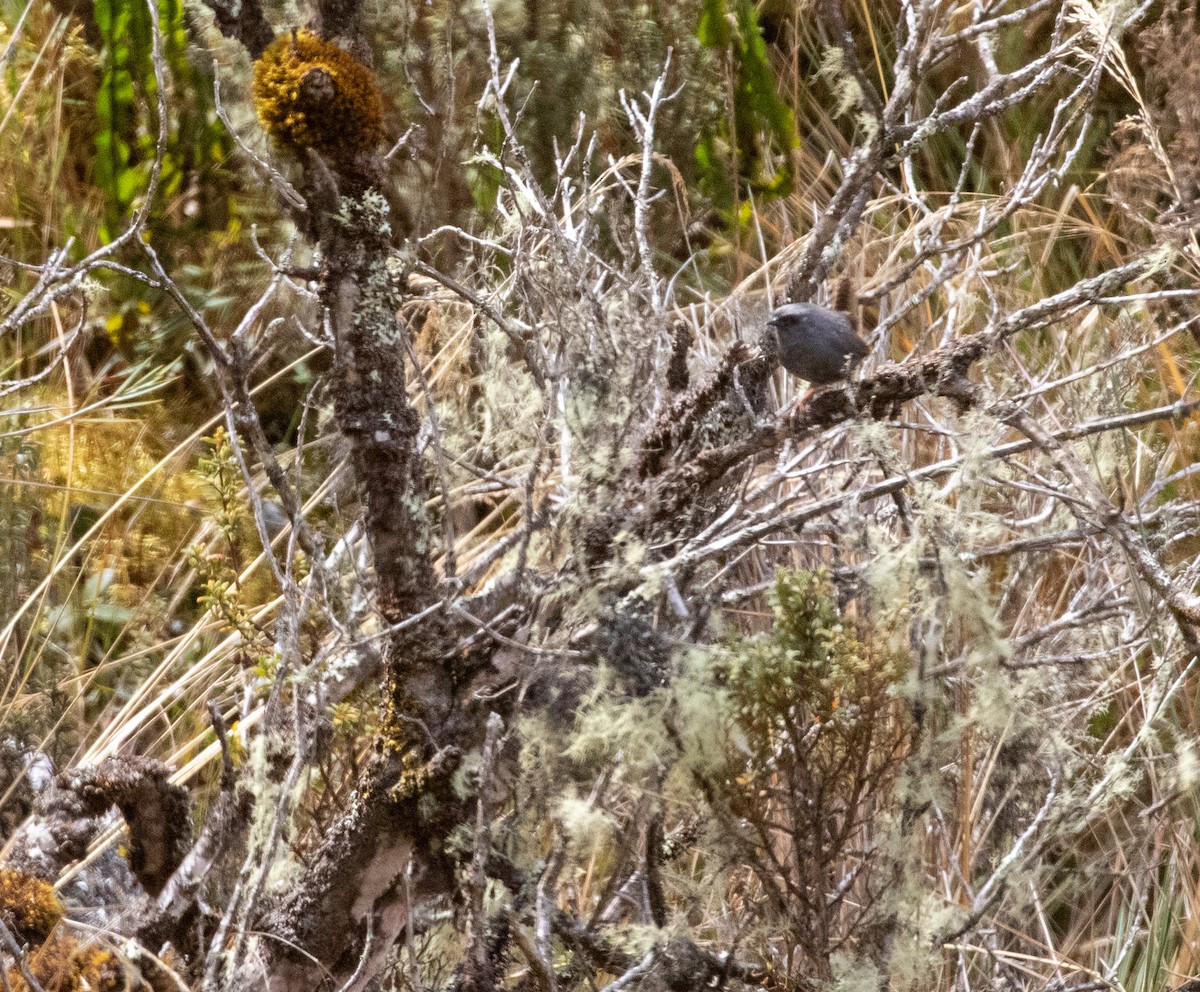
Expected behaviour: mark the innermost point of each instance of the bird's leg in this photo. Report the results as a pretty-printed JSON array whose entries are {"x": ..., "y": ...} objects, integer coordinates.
[{"x": 789, "y": 411}]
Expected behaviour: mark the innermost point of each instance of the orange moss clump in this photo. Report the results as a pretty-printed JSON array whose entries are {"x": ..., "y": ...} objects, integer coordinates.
[
  {"x": 99, "y": 970},
  {"x": 29, "y": 904},
  {"x": 311, "y": 94},
  {"x": 57, "y": 961},
  {"x": 61, "y": 965}
]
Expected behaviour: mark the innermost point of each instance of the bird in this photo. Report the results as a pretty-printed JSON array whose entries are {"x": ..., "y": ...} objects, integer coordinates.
[{"x": 816, "y": 343}]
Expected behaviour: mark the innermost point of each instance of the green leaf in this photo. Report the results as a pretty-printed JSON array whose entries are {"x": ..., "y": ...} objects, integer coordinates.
[
  {"x": 714, "y": 29},
  {"x": 761, "y": 116}
]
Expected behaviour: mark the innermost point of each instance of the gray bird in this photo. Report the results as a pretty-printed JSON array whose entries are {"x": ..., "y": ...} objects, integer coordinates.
[{"x": 816, "y": 343}]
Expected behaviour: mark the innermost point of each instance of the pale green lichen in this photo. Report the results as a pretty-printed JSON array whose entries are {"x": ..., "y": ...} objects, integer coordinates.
[
  {"x": 587, "y": 825},
  {"x": 847, "y": 93}
]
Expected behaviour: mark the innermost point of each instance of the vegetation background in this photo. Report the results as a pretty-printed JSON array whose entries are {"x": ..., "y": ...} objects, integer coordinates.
[{"x": 414, "y": 572}]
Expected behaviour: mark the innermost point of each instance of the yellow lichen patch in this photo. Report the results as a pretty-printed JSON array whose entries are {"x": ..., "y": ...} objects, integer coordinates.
[
  {"x": 413, "y": 779},
  {"x": 312, "y": 94},
  {"x": 29, "y": 904}
]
